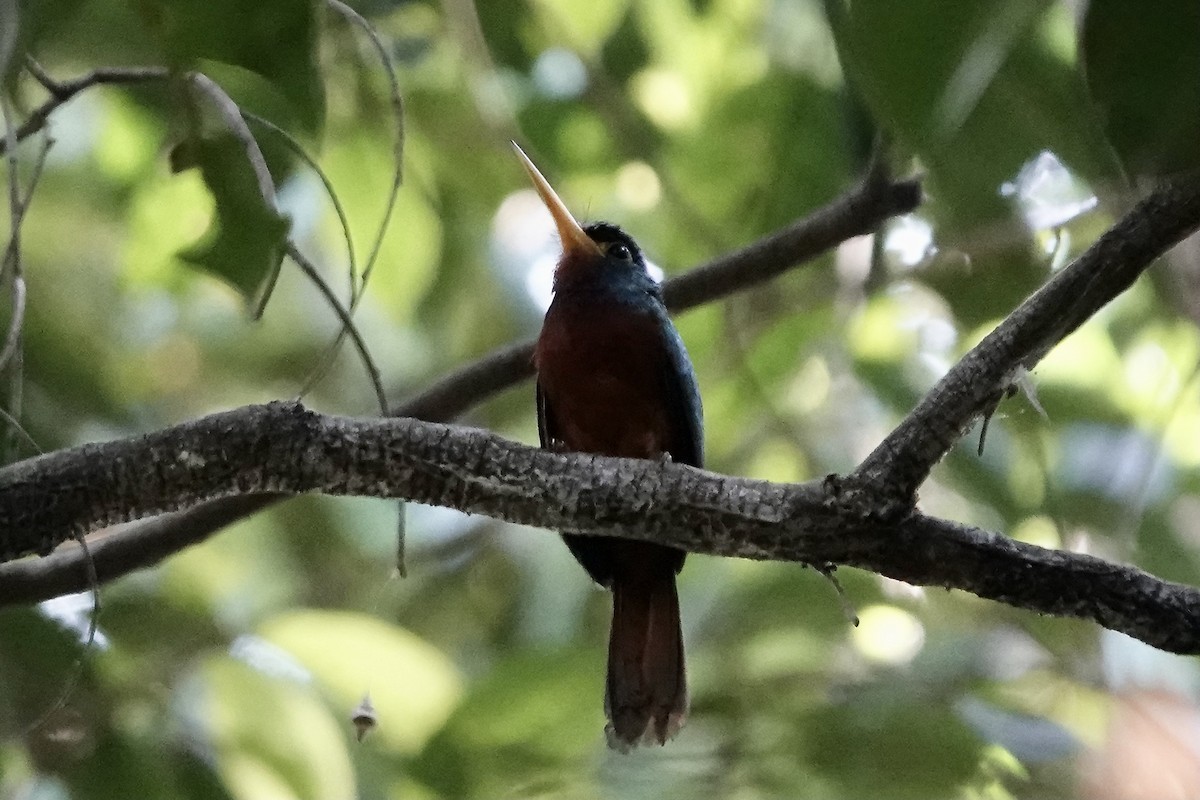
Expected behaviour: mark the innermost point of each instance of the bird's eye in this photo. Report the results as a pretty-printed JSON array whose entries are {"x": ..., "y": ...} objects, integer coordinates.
[{"x": 620, "y": 251}]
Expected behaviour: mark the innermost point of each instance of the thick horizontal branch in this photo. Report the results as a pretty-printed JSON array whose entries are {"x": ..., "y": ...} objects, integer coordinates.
[
  {"x": 973, "y": 386},
  {"x": 283, "y": 447},
  {"x": 864, "y": 208},
  {"x": 1121, "y": 598},
  {"x": 68, "y": 570}
]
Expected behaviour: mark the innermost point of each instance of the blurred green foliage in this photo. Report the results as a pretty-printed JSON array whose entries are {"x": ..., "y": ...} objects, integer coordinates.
[{"x": 232, "y": 669}]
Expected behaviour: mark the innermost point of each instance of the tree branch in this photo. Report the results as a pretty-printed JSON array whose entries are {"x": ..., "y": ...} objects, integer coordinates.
[
  {"x": 902, "y": 462},
  {"x": 63, "y": 91},
  {"x": 872, "y": 201},
  {"x": 283, "y": 447},
  {"x": 863, "y": 209},
  {"x": 64, "y": 571}
]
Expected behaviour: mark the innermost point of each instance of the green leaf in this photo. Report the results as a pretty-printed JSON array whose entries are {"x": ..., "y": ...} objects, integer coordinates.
[
  {"x": 975, "y": 90},
  {"x": 31, "y": 677},
  {"x": 888, "y": 745},
  {"x": 349, "y": 652},
  {"x": 276, "y": 39},
  {"x": 273, "y": 738},
  {"x": 245, "y": 241},
  {"x": 535, "y": 709},
  {"x": 119, "y": 766},
  {"x": 1143, "y": 70}
]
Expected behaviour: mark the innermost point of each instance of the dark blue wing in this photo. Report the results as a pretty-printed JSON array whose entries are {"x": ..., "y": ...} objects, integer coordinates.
[
  {"x": 683, "y": 397},
  {"x": 545, "y": 420}
]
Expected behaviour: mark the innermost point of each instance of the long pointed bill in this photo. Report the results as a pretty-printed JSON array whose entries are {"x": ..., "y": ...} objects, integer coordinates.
[{"x": 574, "y": 241}]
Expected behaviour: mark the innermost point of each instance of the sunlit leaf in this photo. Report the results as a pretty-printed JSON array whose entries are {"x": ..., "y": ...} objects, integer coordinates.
[
  {"x": 949, "y": 83},
  {"x": 413, "y": 687},
  {"x": 245, "y": 240},
  {"x": 272, "y": 736}
]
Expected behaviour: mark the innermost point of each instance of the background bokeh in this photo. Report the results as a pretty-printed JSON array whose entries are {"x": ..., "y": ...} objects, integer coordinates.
[{"x": 232, "y": 669}]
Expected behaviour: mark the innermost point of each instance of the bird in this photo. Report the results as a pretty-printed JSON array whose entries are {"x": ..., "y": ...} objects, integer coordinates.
[{"x": 614, "y": 378}]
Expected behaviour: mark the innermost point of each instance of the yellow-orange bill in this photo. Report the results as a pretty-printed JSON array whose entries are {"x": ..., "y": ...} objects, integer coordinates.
[{"x": 574, "y": 240}]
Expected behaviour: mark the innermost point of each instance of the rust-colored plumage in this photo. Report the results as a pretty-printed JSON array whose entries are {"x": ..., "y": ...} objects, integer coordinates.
[{"x": 615, "y": 379}]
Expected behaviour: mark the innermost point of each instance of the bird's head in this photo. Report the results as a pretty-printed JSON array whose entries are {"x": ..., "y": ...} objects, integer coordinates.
[{"x": 600, "y": 252}]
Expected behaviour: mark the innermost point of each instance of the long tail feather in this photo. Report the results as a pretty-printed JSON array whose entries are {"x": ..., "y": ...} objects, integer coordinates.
[{"x": 646, "y": 693}]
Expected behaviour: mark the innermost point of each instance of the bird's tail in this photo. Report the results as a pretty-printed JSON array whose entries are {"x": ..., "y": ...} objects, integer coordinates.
[{"x": 645, "y": 696}]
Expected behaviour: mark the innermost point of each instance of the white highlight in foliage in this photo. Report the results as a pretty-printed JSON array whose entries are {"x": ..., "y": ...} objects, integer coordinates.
[
  {"x": 74, "y": 612},
  {"x": 559, "y": 73},
  {"x": 888, "y": 635},
  {"x": 909, "y": 240},
  {"x": 268, "y": 658},
  {"x": 1048, "y": 195}
]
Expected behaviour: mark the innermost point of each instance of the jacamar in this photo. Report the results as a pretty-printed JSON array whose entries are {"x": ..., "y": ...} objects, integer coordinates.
[{"x": 614, "y": 378}]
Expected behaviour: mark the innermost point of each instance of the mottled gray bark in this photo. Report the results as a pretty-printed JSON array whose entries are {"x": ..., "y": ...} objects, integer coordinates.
[
  {"x": 283, "y": 447},
  {"x": 867, "y": 519},
  {"x": 903, "y": 460},
  {"x": 862, "y": 209}
]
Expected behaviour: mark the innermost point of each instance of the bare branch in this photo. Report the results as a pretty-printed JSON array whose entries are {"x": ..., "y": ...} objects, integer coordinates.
[
  {"x": 858, "y": 212},
  {"x": 935, "y": 552},
  {"x": 283, "y": 447},
  {"x": 119, "y": 553},
  {"x": 63, "y": 91},
  {"x": 902, "y": 462},
  {"x": 343, "y": 315},
  {"x": 12, "y": 274},
  {"x": 863, "y": 208}
]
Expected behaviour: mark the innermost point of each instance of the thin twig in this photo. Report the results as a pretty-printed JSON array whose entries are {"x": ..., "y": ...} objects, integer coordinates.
[
  {"x": 12, "y": 252},
  {"x": 397, "y": 101},
  {"x": 40, "y": 75},
  {"x": 11, "y": 271},
  {"x": 16, "y": 323},
  {"x": 343, "y": 315},
  {"x": 12, "y": 256},
  {"x": 298, "y": 150},
  {"x": 17, "y": 428},
  {"x": 904, "y": 459},
  {"x": 830, "y": 573},
  {"x": 72, "y": 680},
  {"x": 63, "y": 91},
  {"x": 327, "y": 358}
]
